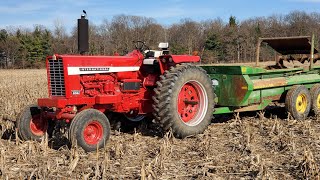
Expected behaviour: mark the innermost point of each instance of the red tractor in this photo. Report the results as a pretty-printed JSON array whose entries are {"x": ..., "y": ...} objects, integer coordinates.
[{"x": 84, "y": 89}]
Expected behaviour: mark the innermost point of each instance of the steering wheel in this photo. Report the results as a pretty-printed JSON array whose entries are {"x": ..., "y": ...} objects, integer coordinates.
[{"x": 141, "y": 46}]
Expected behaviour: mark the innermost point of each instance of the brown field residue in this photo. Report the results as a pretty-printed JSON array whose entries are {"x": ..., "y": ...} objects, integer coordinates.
[{"x": 263, "y": 145}]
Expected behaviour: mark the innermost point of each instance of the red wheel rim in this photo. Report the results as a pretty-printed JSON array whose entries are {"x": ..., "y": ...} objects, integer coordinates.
[
  {"x": 38, "y": 125},
  {"x": 93, "y": 133},
  {"x": 192, "y": 103}
]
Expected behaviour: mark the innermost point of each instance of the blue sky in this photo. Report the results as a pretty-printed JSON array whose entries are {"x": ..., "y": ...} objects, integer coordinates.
[{"x": 27, "y": 13}]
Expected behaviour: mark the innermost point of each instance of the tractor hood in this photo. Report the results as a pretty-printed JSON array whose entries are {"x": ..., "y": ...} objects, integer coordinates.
[{"x": 132, "y": 59}]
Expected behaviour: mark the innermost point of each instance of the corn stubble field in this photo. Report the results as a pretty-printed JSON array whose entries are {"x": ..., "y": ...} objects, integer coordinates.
[{"x": 249, "y": 146}]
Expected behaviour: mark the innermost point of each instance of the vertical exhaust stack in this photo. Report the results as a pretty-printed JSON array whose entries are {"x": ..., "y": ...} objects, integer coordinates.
[{"x": 83, "y": 34}]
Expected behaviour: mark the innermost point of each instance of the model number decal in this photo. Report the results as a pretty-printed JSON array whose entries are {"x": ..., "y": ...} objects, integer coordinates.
[
  {"x": 101, "y": 69},
  {"x": 94, "y": 69},
  {"x": 75, "y": 92}
]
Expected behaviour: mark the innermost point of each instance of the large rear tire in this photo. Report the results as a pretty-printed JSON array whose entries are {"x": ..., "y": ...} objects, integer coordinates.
[
  {"x": 184, "y": 100},
  {"x": 30, "y": 124},
  {"x": 90, "y": 129},
  {"x": 298, "y": 102}
]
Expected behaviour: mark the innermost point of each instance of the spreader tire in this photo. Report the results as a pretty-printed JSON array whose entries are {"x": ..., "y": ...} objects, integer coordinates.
[
  {"x": 136, "y": 118},
  {"x": 120, "y": 121},
  {"x": 298, "y": 102},
  {"x": 30, "y": 124},
  {"x": 90, "y": 129},
  {"x": 315, "y": 98},
  {"x": 184, "y": 100}
]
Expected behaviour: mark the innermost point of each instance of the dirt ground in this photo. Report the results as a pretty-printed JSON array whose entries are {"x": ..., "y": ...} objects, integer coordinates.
[{"x": 241, "y": 146}]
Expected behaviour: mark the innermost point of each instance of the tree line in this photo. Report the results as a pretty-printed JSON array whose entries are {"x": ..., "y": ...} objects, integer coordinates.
[{"x": 214, "y": 39}]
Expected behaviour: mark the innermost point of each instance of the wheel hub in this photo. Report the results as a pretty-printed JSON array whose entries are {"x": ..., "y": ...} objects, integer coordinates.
[
  {"x": 188, "y": 102},
  {"x": 38, "y": 125},
  {"x": 192, "y": 103},
  {"x": 93, "y": 133},
  {"x": 301, "y": 104},
  {"x": 318, "y": 101}
]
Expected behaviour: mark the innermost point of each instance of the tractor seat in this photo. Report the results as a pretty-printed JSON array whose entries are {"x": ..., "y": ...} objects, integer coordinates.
[{"x": 150, "y": 54}]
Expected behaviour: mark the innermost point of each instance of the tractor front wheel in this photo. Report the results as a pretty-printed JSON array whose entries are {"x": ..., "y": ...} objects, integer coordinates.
[
  {"x": 298, "y": 102},
  {"x": 90, "y": 129},
  {"x": 30, "y": 124},
  {"x": 184, "y": 100}
]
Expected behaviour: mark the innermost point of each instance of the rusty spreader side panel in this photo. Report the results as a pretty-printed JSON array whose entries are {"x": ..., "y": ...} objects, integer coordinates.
[{"x": 232, "y": 90}]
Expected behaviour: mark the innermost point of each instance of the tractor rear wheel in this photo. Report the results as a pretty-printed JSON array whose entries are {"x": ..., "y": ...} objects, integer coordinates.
[
  {"x": 30, "y": 124},
  {"x": 298, "y": 102},
  {"x": 90, "y": 129},
  {"x": 184, "y": 100},
  {"x": 315, "y": 98}
]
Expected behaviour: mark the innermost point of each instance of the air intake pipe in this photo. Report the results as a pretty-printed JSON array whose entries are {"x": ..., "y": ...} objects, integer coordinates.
[{"x": 83, "y": 34}]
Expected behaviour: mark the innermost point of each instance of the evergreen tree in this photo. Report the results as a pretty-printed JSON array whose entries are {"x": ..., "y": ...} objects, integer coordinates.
[
  {"x": 232, "y": 21},
  {"x": 214, "y": 45}
]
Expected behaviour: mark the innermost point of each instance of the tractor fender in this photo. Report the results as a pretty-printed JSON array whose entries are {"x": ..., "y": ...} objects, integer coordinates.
[{"x": 181, "y": 58}]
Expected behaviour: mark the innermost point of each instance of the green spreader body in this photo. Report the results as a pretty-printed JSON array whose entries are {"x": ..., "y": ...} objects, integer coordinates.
[{"x": 246, "y": 88}]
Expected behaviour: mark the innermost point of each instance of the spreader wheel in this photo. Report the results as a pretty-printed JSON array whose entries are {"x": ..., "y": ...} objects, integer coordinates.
[
  {"x": 30, "y": 124},
  {"x": 134, "y": 117},
  {"x": 184, "y": 100},
  {"x": 298, "y": 102},
  {"x": 315, "y": 98},
  {"x": 90, "y": 129}
]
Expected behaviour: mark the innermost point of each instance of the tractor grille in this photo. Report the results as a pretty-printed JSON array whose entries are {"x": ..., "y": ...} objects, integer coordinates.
[{"x": 57, "y": 87}]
